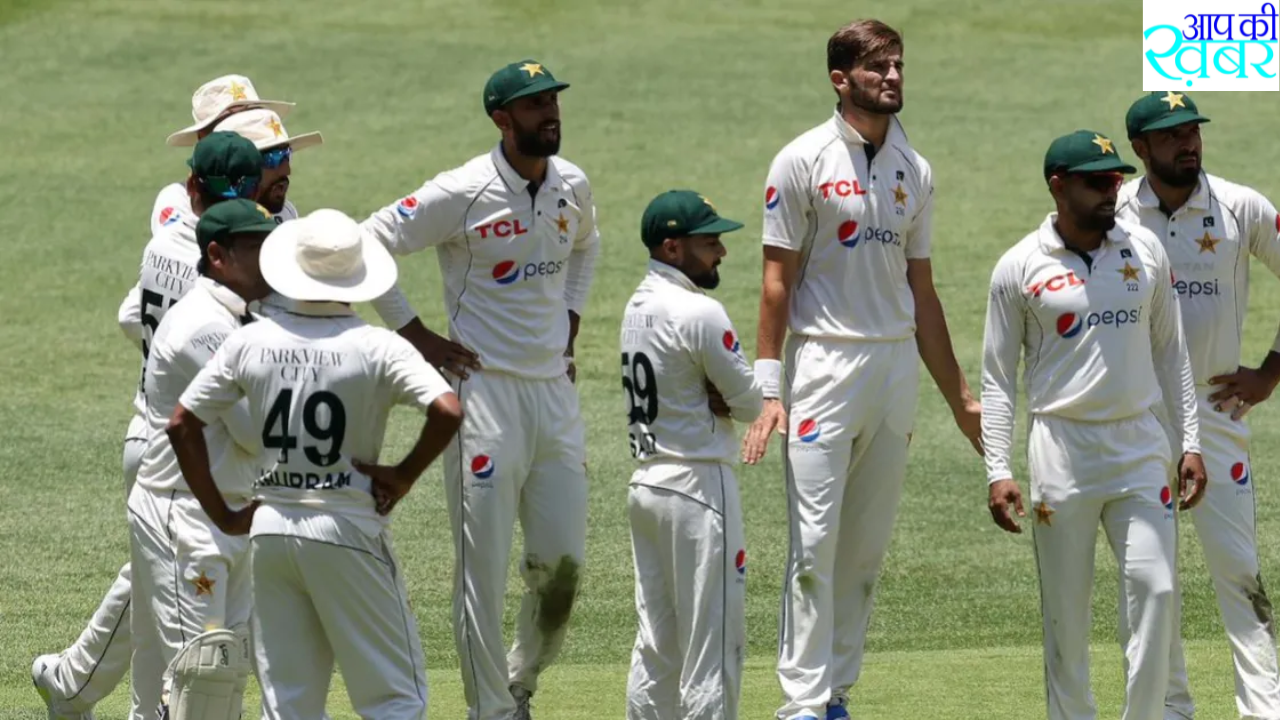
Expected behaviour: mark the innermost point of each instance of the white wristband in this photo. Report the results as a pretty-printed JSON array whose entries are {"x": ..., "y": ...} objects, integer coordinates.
[{"x": 769, "y": 377}]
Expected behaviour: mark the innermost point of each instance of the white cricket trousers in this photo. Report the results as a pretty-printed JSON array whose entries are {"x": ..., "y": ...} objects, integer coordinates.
[
  {"x": 1114, "y": 474},
  {"x": 97, "y": 662},
  {"x": 521, "y": 453},
  {"x": 691, "y": 563},
  {"x": 1224, "y": 522},
  {"x": 851, "y": 408},
  {"x": 188, "y": 578},
  {"x": 326, "y": 592}
]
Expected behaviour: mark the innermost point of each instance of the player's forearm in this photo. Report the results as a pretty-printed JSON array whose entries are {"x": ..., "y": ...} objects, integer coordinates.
[
  {"x": 933, "y": 339},
  {"x": 129, "y": 316},
  {"x": 579, "y": 275},
  {"x": 575, "y": 321},
  {"x": 444, "y": 418},
  {"x": 186, "y": 435},
  {"x": 997, "y": 429},
  {"x": 1270, "y": 368},
  {"x": 394, "y": 309}
]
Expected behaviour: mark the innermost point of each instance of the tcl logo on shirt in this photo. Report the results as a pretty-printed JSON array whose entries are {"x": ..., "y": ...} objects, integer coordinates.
[
  {"x": 509, "y": 271},
  {"x": 501, "y": 228},
  {"x": 1070, "y": 324},
  {"x": 842, "y": 188},
  {"x": 1054, "y": 284}
]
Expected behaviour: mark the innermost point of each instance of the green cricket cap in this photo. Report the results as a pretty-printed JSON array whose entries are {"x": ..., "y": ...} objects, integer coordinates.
[
  {"x": 679, "y": 213},
  {"x": 1084, "y": 151},
  {"x": 232, "y": 217},
  {"x": 1160, "y": 110},
  {"x": 517, "y": 80}
]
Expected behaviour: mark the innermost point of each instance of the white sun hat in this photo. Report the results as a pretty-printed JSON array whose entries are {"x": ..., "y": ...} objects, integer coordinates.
[
  {"x": 263, "y": 127},
  {"x": 216, "y": 97},
  {"x": 326, "y": 257}
]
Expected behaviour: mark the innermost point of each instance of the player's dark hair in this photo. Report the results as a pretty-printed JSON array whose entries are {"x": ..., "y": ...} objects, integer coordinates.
[
  {"x": 226, "y": 243},
  {"x": 857, "y": 40},
  {"x": 207, "y": 200}
]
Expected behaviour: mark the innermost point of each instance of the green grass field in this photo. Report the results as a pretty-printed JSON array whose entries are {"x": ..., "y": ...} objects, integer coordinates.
[{"x": 665, "y": 94}]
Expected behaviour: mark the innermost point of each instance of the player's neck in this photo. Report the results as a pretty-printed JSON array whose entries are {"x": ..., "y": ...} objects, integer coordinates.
[
  {"x": 1075, "y": 237},
  {"x": 533, "y": 169},
  {"x": 1171, "y": 198},
  {"x": 247, "y": 293},
  {"x": 873, "y": 127}
]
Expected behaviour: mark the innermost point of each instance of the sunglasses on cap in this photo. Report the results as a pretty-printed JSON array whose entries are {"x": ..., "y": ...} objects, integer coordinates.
[
  {"x": 1103, "y": 182},
  {"x": 245, "y": 187},
  {"x": 274, "y": 158}
]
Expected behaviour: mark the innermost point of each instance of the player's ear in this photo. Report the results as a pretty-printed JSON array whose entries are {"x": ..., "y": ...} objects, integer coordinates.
[
  {"x": 502, "y": 119},
  {"x": 839, "y": 80}
]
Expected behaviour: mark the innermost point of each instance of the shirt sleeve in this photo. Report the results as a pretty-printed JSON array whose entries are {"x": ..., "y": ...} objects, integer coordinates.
[
  {"x": 919, "y": 243},
  {"x": 433, "y": 215},
  {"x": 1264, "y": 237},
  {"x": 788, "y": 202},
  {"x": 1001, "y": 350},
  {"x": 193, "y": 357},
  {"x": 216, "y": 387},
  {"x": 1169, "y": 353},
  {"x": 394, "y": 308},
  {"x": 129, "y": 315},
  {"x": 715, "y": 343},
  {"x": 413, "y": 381},
  {"x": 586, "y": 247}
]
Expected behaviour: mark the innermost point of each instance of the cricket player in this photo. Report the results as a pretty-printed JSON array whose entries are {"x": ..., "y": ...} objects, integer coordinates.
[
  {"x": 189, "y": 577},
  {"x": 320, "y": 384},
  {"x": 73, "y": 681},
  {"x": 515, "y": 234},
  {"x": 847, "y": 235},
  {"x": 1089, "y": 304},
  {"x": 1210, "y": 227},
  {"x": 686, "y": 381}
]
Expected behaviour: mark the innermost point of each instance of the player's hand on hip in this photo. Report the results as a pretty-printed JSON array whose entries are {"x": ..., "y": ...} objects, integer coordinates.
[
  {"x": 1004, "y": 496},
  {"x": 1192, "y": 481},
  {"x": 719, "y": 407},
  {"x": 969, "y": 419},
  {"x": 1241, "y": 390},
  {"x": 773, "y": 418},
  {"x": 444, "y": 353},
  {"x": 238, "y": 522},
  {"x": 388, "y": 485},
  {"x": 571, "y": 369}
]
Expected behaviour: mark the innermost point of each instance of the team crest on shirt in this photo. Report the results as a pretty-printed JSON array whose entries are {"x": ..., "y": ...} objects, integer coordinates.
[
  {"x": 203, "y": 584},
  {"x": 1208, "y": 221}
]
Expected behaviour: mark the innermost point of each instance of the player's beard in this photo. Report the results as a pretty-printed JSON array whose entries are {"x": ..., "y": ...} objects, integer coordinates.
[
  {"x": 707, "y": 280},
  {"x": 873, "y": 101},
  {"x": 1098, "y": 218},
  {"x": 542, "y": 141},
  {"x": 272, "y": 197},
  {"x": 1175, "y": 174}
]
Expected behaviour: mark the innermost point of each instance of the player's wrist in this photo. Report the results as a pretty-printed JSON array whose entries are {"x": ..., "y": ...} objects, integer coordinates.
[{"x": 768, "y": 374}]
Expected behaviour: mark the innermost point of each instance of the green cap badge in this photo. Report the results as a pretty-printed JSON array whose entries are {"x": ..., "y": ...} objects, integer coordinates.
[
  {"x": 232, "y": 217},
  {"x": 517, "y": 80},
  {"x": 1160, "y": 110},
  {"x": 679, "y": 213},
  {"x": 1084, "y": 151},
  {"x": 227, "y": 164}
]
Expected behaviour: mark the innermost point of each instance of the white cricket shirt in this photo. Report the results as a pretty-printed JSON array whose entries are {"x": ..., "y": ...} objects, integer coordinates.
[
  {"x": 188, "y": 337},
  {"x": 674, "y": 340},
  {"x": 1209, "y": 240},
  {"x": 320, "y": 383},
  {"x": 1101, "y": 339},
  {"x": 168, "y": 270},
  {"x": 173, "y": 207},
  {"x": 856, "y": 220},
  {"x": 513, "y": 263}
]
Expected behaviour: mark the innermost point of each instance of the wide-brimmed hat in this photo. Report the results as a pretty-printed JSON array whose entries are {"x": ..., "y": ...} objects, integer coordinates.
[
  {"x": 214, "y": 98},
  {"x": 326, "y": 257},
  {"x": 264, "y": 128}
]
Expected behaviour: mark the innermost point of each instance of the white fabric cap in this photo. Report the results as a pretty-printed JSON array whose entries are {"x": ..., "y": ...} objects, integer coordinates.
[
  {"x": 263, "y": 127},
  {"x": 326, "y": 257},
  {"x": 216, "y": 97}
]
